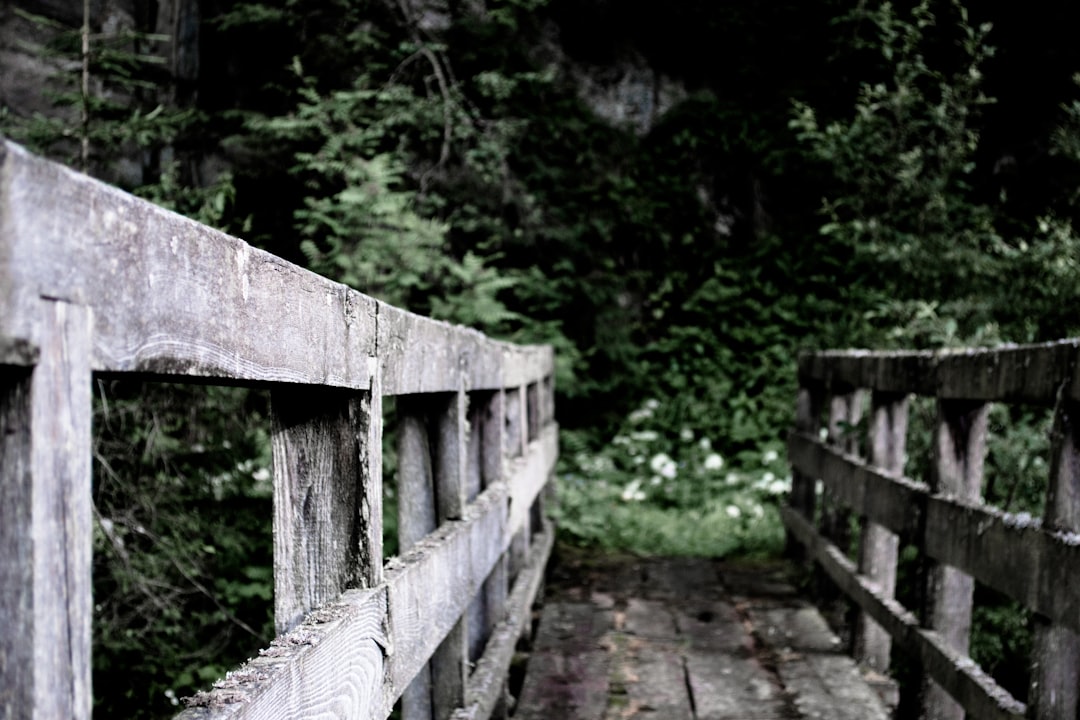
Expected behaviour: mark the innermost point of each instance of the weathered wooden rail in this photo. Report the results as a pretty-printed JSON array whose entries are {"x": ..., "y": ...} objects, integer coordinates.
[
  {"x": 960, "y": 539},
  {"x": 93, "y": 280}
]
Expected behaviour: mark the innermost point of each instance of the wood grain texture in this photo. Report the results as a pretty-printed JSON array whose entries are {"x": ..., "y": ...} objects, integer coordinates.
[
  {"x": 977, "y": 693},
  {"x": 171, "y": 297},
  {"x": 331, "y": 666},
  {"x": 45, "y": 521},
  {"x": 878, "y": 546},
  {"x": 528, "y": 475},
  {"x": 1017, "y": 373},
  {"x": 1014, "y": 554},
  {"x": 1054, "y": 691},
  {"x": 486, "y": 684},
  {"x": 431, "y": 586},
  {"x": 319, "y": 483}
]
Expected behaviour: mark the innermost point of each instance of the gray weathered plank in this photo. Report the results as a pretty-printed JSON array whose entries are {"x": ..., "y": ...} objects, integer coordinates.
[
  {"x": 732, "y": 687},
  {"x": 332, "y": 665},
  {"x": 959, "y": 450},
  {"x": 1054, "y": 691},
  {"x": 1013, "y": 553},
  {"x": 319, "y": 487},
  {"x": 488, "y": 679},
  {"x": 1019, "y": 374},
  {"x": 170, "y": 296},
  {"x": 965, "y": 681},
  {"x": 798, "y": 628},
  {"x": 878, "y": 546},
  {"x": 894, "y": 371},
  {"x": 829, "y": 686},
  {"x": 45, "y": 520}
]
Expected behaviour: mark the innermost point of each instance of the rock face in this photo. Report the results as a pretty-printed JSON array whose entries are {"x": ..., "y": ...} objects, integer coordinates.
[{"x": 628, "y": 94}]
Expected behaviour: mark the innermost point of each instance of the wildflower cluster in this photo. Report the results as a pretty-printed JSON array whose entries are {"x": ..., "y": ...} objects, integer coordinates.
[{"x": 653, "y": 489}]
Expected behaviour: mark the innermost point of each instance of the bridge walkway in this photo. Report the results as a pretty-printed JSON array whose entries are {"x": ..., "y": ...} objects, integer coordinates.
[{"x": 686, "y": 639}]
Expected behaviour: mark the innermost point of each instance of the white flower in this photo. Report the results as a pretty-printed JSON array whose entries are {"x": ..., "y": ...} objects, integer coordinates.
[
  {"x": 663, "y": 465},
  {"x": 732, "y": 511},
  {"x": 770, "y": 456},
  {"x": 767, "y": 478},
  {"x": 731, "y": 479},
  {"x": 823, "y": 434},
  {"x": 705, "y": 444},
  {"x": 652, "y": 403},
  {"x": 714, "y": 462},
  {"x": 658, "y": 461},
  {"x": 633, "y": 492},
  {"x": 686, "y": 434},
  {"x": 644, "y": 436},
  {"x": 655, "y": 480},
  {"x": 261, "y": 475},
  {"x": 640, "y": 414},
  {"x": 759, "y": 511},
  {"x": 779, "y": 487}
]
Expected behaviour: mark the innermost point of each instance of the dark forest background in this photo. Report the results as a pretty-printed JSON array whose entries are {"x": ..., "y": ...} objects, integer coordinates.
[{"x": 678, "y": 196}]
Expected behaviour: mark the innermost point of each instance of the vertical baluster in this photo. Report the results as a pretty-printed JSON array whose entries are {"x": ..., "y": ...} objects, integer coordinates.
[
  {"x": 45, "y": 519},
  {"x": 1055, "y": 672},
  {"x": 416, "y": 518},
  {"x": 803, "y": 494},
  {"x": 878, "y": 546},
  {"x": 959, "y": 451},
  {"x": 845, "y": 412},
  {"x": 327, "y": 446},
  {"x": 474, "y": 482},
  {"x": 496, "y": 587},
  {"x": 449, "y": 664},
  {"x": 516, "y": 443}
]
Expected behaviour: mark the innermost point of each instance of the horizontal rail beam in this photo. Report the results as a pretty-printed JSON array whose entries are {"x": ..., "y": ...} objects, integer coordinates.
[
  {"x": 1010, "y": 553},
  {"x": 976, "y": 691},
  {"x": 1016, "y": 373},
  {"x": 173, "y": 298}
]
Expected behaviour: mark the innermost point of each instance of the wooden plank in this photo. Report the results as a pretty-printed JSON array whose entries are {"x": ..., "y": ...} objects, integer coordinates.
[
  {"x": 568, "y": 673},
  {"x": 878, "y": 546},
  {"x": 524, "y": 364},
  {"x": 433, "y": 584},
  {"x": 829, "y": 686},
  {"x": 417, "y": 516},
  {"x": 893, "y": 371},
  {"x": 319, "y": 489},
  {"x": 488, "y": 680},
  {"x": 1010, "y": 553},
  {"x": 378, "y": 639},
  {"x": 45, "y": 521},
  {"x": 171, "y": 297},
  {"x": 977, "y": 692},
  {"x": 959, "y": 450},
  {"x": 713, "y": 626},
  {"x": 892, "y": 502},
  {"x": 807, "y": 421},
  {"x": 651, "y": 674},
  {"x": 797, "y": 628},
  {"x": 449, "y": 664},
  {"x": 732, "y": 687},
  {"x": 332, "y": 665},
  {"x": 528, "y": 475},
  {"x": 1020, "y": 374},
  {"x": 1054, "y": 690}
]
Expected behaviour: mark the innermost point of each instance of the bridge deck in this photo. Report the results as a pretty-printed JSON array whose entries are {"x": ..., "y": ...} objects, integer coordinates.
[{"x": 686, "y": 639}]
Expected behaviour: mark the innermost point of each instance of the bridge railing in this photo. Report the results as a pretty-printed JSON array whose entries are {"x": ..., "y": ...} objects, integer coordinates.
[
  {"x": 95, "y": 281},
  {"x": 960, "y": 540}
]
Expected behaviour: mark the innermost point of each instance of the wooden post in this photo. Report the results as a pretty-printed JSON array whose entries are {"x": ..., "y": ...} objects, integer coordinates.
[
  {"x": 803, "y": 493},
  {"x": 959, "y": 450},
  {"x": 878, "y": 546},
  {"x": 450, "y": 663},
  {"x": 845, "y": 411},
  {"x": 496, "y": 587},
  {"x": 416, "y": 518},
  {"x": 45, "y": 519},
  {"x": 517, "y": 440},
  {"x": 327, "y": 497},
  {"x": 1055, "y": 671}
]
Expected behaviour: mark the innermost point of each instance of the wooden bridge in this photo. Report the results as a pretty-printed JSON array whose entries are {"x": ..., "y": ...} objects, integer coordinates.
[{"x": 94, "y": 281}]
